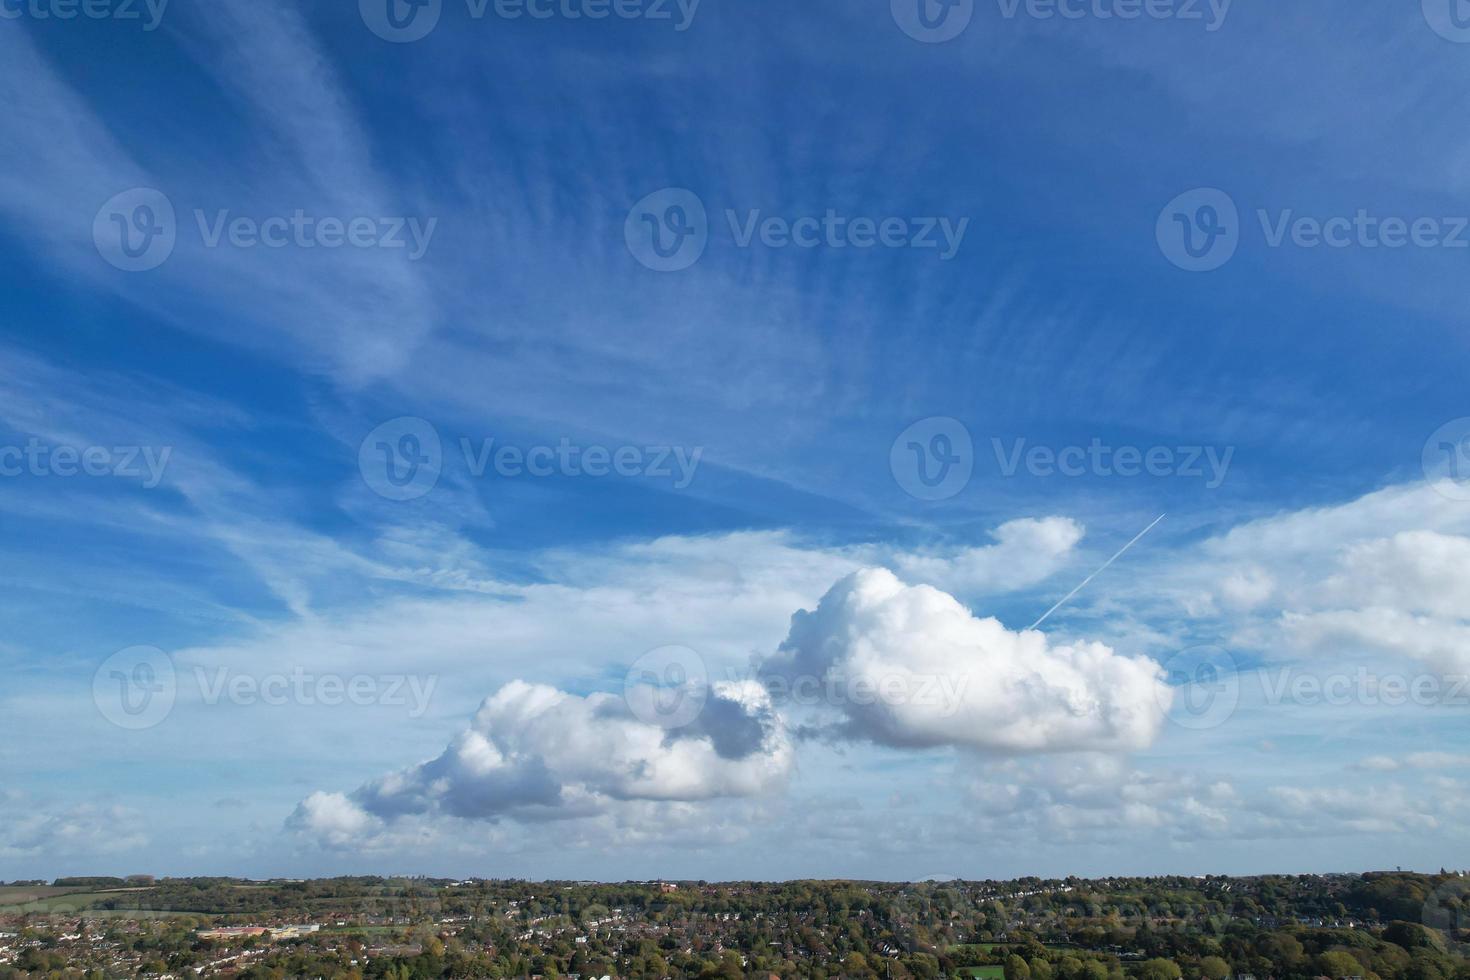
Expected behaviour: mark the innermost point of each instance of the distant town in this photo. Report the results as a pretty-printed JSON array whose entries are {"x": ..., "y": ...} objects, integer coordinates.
[{"x": 1377, "y": 926}]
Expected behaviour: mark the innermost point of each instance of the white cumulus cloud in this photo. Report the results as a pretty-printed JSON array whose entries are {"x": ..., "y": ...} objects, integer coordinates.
[
  {"x": 909, "y": 666},
  {"x": 534, "y": 752}
]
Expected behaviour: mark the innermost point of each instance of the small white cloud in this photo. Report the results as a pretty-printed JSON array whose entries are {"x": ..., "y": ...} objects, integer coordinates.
[
  {"x": 333, "y": 818},
  {"x": 1414, "y": 760},
  {"x": 1247, "y": 588},
  {"x": 1026, "y": 552}
]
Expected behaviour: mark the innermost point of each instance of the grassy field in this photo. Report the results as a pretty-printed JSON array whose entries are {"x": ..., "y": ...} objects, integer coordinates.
[
  {"x": 43, "y": 898},
  {"x": 20, "y": 894},
  {"x": 988, "y": 972},
  {"x": 47, "y": 899}
]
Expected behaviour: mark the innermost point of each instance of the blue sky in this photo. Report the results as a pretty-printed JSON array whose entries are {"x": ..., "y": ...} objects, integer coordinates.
[{"x": 1306, "y": 400}]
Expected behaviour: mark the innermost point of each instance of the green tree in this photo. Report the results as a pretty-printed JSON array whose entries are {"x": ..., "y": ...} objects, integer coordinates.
[
  {"x": 1411, "y": 935},
  {"x": 1160, "y": 969},
  {"x": 1016, "y": 968},
  {"x": 1338, "y": 964},
  {"x": 1214, "y": 968}
]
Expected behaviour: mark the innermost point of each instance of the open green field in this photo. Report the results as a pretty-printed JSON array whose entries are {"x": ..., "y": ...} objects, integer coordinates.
[
  {"x": 988, "y": 972},
  {"x": 42, "y": 898},
  {"x": 20, "y": 894},
  {"x": 50, "y": 900}
]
